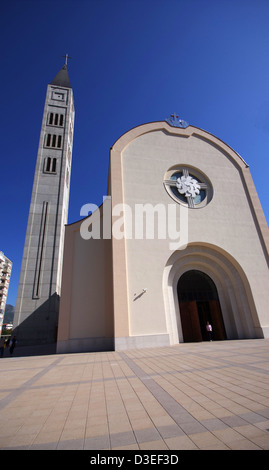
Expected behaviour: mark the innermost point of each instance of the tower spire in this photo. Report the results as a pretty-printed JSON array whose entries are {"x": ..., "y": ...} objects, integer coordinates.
[{"x": 62, "y": 77}]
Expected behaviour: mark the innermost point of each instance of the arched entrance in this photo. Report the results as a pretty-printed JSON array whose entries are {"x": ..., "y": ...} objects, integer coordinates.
[{"x": 199, "y": 304}]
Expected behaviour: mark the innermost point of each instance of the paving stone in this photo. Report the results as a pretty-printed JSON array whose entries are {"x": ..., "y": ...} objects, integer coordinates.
[
  {"x": 122, "y": 439},
  {"x": 170, "y": 431},
  {"x": 96, "y": 443},
  {"x": 148, "y": 434},
  {"x": 213, "y": 424}
]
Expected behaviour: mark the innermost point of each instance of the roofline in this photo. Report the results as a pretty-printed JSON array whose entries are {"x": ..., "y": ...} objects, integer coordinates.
[{"x": 186, "y": 131}]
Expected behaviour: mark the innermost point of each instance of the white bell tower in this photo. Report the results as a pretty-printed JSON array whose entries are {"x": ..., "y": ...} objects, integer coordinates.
[{"x": 37, "y": 306}]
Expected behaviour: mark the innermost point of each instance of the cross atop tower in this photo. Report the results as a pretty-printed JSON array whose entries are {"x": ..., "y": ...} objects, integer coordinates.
[{"x": 66, "y": 57}]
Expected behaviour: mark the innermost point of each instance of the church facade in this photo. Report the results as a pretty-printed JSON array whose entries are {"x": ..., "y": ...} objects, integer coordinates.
[{"x": 180, "y": 241}]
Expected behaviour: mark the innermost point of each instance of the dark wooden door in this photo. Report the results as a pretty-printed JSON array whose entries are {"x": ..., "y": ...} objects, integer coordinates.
[
  {"x": 190, "y": 321},
  {"x": 218, "y": 327},
  {"x": 199, "y": 304}
]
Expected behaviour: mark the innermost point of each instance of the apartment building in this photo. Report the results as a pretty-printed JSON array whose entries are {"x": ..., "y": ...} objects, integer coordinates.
[{"x": 5, "y": 273}]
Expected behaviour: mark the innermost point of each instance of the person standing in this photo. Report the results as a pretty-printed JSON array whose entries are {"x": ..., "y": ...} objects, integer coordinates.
[
  {"x": 13, "y": 343},
  {"x": 209, "y": 330},
  {"x": 2, "y": 346}
]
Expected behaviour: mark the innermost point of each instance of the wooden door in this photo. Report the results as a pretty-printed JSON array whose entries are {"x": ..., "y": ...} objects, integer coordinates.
[
  {"x": 190, "y": 321},
  {"x": 218, "y": 327}
]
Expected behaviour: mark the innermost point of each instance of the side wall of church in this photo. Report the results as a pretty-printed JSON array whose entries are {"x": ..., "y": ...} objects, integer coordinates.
[{"x": 86, "y": 305}]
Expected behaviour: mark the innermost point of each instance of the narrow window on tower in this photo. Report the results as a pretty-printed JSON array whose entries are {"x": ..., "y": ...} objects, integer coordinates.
[
  {"x": 48, "y": 140},
  {"x": 53, "y": 141},
  {"x": 53, "y": 166},
  {"x": 50, "y": 165},
  {"x": 55, "y": 119}
]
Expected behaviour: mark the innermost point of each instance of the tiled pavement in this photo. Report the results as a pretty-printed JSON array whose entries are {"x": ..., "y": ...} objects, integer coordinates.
[{"x": 189, "y": 396}]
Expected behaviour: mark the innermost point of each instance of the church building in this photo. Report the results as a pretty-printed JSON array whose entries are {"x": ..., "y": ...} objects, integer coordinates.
[{"x": 180, "y": 241}]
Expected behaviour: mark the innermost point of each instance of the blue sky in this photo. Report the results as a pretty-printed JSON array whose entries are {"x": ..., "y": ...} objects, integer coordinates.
[{"x": 132, "y": 61}]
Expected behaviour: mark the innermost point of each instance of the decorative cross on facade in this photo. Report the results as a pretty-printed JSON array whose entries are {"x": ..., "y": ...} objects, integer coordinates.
[
  {"x": 174, "y": 116},
  {"x": 174, "y": 120},
  {"x": 66, "y": 57}
]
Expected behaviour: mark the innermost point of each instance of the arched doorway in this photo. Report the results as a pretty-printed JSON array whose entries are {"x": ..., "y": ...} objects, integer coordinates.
[{"x": 199, "y": 304}]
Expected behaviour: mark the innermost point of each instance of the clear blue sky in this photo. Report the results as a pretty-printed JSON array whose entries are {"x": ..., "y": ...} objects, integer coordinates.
[{"x": 133, "y": 61}]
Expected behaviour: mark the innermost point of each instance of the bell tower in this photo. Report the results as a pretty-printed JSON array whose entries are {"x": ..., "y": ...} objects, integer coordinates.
[{"x": 37, "y": 306}]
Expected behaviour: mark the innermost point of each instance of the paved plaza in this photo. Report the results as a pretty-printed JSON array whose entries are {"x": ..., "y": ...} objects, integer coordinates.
[{"x": 210, "y": 395}]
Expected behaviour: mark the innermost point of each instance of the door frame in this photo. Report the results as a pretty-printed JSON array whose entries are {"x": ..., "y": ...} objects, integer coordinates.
[
  {"x": 201, "y": 306},
  {"x": 237, "y": 305}
]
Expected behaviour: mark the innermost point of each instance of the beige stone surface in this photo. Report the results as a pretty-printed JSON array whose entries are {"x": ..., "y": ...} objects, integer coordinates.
[{"x": 170, "y": 398}]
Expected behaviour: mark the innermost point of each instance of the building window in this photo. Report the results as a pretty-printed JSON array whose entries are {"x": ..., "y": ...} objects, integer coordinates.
[
  {"x": 50, "y": 165},
  {"x": 53, "y": 168},
  {"x": 47, "y": 140},
  {"x": 188, "y": 186},
  {"x": 55, "y": 119},
  {"x": 53, "y": 141}
]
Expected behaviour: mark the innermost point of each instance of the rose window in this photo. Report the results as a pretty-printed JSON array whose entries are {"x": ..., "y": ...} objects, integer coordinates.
[{"x": 188, "y": 186}]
